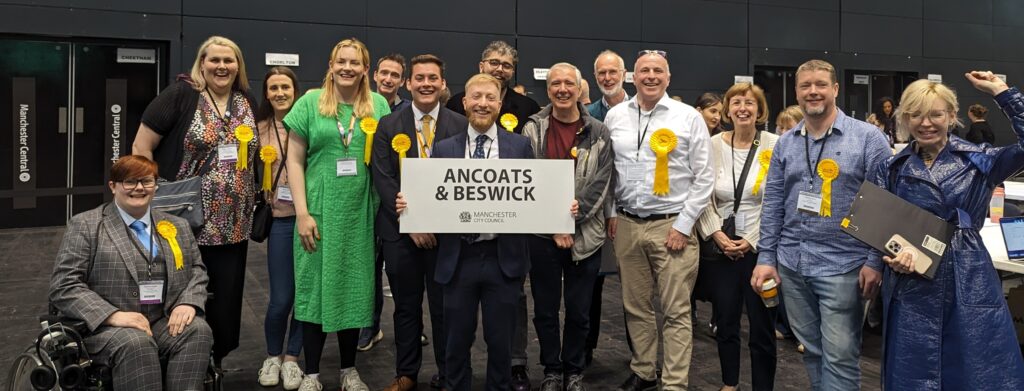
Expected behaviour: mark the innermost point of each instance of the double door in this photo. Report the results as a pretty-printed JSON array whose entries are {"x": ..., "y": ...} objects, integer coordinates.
[{"x": 71, "y": 108}]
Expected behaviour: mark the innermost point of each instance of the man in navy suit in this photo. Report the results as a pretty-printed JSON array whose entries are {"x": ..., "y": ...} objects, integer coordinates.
[{"x": 411, "y": 258}]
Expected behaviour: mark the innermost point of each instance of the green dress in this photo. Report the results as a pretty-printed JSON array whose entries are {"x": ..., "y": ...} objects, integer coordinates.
[{"x": 334, "y": 285}]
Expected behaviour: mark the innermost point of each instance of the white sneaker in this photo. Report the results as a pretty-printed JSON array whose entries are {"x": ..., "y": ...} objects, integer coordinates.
[
  {"x": 351, "y": 382},
  {"x": 291, "y": 374},
  {"x": 271, "y": 372},
  {"x": 310, "y": 384}
]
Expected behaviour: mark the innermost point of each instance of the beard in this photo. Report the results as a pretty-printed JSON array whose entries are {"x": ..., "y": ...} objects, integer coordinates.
[
  {"x": 814, "y": 112},
  {"x": 612, "y": 92},
  {"x": 482, "y": 123}
]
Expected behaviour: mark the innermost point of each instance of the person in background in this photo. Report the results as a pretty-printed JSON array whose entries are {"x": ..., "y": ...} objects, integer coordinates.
[
  {"x": 709, "y": 104},
  {"x": 788, "y": 118},
  {"x": 499, "y": 59},
  {"x": 279, "y": 86},
  {"x": 194, "y": 128},
  {"x": 584, "y": 92},
  {"x": 980, "y": 131},
  {"x": 520, "y": 89},
  {"x": 389, "y": 78}
]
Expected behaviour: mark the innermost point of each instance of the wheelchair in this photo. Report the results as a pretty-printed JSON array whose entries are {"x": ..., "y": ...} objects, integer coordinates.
[{"x": 58, "y": 360}]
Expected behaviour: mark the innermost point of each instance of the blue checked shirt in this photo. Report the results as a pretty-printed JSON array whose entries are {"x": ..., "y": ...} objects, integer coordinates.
[{"x": 807, "y": 243}]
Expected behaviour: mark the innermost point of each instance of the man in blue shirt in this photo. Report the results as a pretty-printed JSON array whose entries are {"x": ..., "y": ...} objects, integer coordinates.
[{"x": 823, "y": 273}]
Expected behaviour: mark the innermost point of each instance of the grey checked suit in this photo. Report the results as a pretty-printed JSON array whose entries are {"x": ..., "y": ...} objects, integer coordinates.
[{"x": 111, "y": 284}]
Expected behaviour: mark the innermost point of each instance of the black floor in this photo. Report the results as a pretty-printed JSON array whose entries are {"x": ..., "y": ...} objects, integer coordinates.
[{"x": 26, "y": 262}]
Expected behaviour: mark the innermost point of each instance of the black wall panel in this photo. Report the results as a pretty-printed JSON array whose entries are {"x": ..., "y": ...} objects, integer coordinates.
[
  {"x": 957, "y": 40},
  {"x": 593, "y": 19},
  {"x": 831, "y": 5},
  {"x": 1008, "y": 12},
  {"x": 792, "y": 28},
  {"x": 1007, "y": 43},
  {"x": 491, "y": 17},
  {"x": 696, "y": 22},
  {"x": 881, "y": 35},
  {"x": 905, "y": 8},
  {"x": 964, "y": 11},
  {"x": 327, "y": 12},
  {"x": 160, "y": 7}
]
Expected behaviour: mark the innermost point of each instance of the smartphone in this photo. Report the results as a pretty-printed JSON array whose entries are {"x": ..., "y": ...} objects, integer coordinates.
[{"x": 897, "y": 244}]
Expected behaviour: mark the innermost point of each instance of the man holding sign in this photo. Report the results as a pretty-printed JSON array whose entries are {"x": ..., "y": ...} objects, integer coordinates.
[{"x": 663, "y": 182}]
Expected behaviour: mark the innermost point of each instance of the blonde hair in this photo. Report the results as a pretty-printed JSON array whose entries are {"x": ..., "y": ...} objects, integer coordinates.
[
  {"x": 793, "y": 113},
  {"x": 483, "y": 78},
  {"x": 739, "y": 89},
  {"x": 363, "y": 106},
  {"x": 819, "y": 65},
  {"x": 919, "y": 97},
  {"x": 241, "y": 82}
]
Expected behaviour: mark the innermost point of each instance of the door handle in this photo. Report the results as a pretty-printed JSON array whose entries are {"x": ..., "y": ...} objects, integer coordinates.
[
  {"x": 62, "y": 120},
  {"x": 79, "y": 120}
]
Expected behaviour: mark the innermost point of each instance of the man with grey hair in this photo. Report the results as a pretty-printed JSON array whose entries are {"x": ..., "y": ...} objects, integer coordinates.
[
  {"x": 610, "y": 72},
  {"x": 499, "y": 59},
  {"x": 564, "y": 130}
]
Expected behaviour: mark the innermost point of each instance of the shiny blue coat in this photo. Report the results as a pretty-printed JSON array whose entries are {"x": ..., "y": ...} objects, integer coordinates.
[{"x": 954, "y": 332}]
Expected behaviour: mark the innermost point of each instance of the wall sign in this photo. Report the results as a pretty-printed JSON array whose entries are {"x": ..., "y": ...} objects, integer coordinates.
[
  {"x": 283, "y": 59},
  {"x": 23, "y": 108},
  {"x": 116, "y": 120},
  {"x": 136, "y": 56}
]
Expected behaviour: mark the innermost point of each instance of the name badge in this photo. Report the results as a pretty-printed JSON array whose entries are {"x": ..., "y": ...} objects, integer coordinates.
[
  {"x": 635, "y": 172},
  {"x": 284, "y": 194},
  {"x": 741, "y": 222},
  {"x": 227, "y": 152},
  {"x": 151, "y": 292},
  {"x": 809, "y": 202},
  {"x": 346, "y": 167}
]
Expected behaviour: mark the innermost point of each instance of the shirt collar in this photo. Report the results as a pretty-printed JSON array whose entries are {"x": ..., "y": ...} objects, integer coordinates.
[
  {"x": 604, "y": 101},
  {"x": 665, "y": 101},
  {"x": 418, "y": 115},
  {"x": 129, "y": 219},
  {"x": 492, "y": 132},
  {"x": 838, "y": 125}
]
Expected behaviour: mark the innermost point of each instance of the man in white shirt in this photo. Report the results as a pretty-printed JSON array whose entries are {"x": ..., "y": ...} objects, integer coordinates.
[{"x": 659, "y": 197}]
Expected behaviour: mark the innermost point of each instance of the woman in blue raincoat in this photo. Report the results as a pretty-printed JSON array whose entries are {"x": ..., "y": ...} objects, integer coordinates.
[{"x": 953, "y": 332}]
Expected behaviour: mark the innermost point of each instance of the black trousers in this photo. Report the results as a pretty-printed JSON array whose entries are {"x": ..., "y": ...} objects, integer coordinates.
[
  {"x": 411, "y": 271},
  {"x": 548, "y": 266},
  {"x": 730, "y": 293},
  {"x": 480, "y": 285},
  {"x": 313, "y": 339},
  {"x": 225, "y": 265}
]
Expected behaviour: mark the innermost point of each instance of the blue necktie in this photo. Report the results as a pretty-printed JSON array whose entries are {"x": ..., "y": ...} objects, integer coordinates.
[
  {"x": 478, "y": 153},
  {"x": 140, "y": 232}
]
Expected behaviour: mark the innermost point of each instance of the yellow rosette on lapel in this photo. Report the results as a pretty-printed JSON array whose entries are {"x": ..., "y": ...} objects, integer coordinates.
[
  {"x": 663, "y": 141},
  {"x": 764, "y": 158},
  {"x": 169, "y": 232},
  {"x": 369, "y": 126},
  {"x": 509, "y": 121},
  {"x": 828, "y": 170},
  {"x": 244, "y": 135},
  {"x": 268, "y": 155},
  {"x": 401, "y": 144}
]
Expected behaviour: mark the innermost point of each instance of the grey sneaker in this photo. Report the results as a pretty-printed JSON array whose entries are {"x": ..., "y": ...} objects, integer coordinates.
[
  {"x": 575, "y": 383},
  {"x": 291, "y": 374},
  {"x": 351, "y": 381},
  {"x": 552, "y": 382},
  {"x": 310, "y": 384},
  {"x": 270, "y": 373}
]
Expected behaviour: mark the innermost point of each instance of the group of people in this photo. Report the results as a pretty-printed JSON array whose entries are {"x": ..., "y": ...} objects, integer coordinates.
[{"x": 655, "y": 178}]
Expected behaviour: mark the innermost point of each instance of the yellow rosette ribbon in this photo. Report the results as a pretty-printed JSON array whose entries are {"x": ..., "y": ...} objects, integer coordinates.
[
  {"x": 244, "y": 135},
  {"x": 369, "y": 126},
  {"x": 663, "y": 141},
  {"x": 401, "y": 144},
  {"x": 764, "y": 158},
  {"x": 170, "y": 233},
  {"x": 828, "y": 170},
  {"x": 509, "y": 121},
  {"x": 268, "y": 155}
]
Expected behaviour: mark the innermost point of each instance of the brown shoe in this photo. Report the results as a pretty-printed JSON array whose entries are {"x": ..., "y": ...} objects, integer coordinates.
[{"x": 402, "y": 383}]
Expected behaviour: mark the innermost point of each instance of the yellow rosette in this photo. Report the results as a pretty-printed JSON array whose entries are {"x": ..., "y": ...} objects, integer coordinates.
[
  {"x": 828, "y": 170},
  {"x": 764, "y": 158},
  {"x": 509, "y": 121},
  {"x": 574, "y": 152},
  {"x": 369, "y": 126},
  {"x": 401, "y": 144},
  {"x": 663, "y": 141},
  {"x": 268, "y": 155},
  {"x": 170, "y": 233},
  {"x": 244, "y": 135}
]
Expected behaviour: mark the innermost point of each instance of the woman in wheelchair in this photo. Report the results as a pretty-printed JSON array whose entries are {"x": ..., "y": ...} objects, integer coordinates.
[{"x": 135, "y": 277}]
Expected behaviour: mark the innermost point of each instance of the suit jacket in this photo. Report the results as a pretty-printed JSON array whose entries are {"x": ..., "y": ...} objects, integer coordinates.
[
  {"x": 513, "y": 102},
  {"x": 384, "y": 160},
  {"x": 512, "y": 248},
  {"x": 111, "y": 283}
]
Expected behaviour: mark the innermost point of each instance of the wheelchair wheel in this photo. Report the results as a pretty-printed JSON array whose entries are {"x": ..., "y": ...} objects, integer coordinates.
[{"x": 19, "y": 376}]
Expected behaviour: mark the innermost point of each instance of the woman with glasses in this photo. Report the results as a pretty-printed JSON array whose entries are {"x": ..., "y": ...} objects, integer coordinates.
[
  {"x": 953, "y": 331},
  {"x": 203, "y": 126}
]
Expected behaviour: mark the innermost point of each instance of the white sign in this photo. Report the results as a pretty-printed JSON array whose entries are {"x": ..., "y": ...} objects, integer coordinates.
[
  {"x": 1001, "y": 76},
  {"x": 629, "y": 77},
  {"x": 487, "y": 196},
  {"x": 935, "y": 77},
  {"x": 742, "y": 79},
  {"x": 862, "y": 79},
  {"x": 285, "y": 59},
  {"x": 540, "y": 73},
  {"x": 136, "y": 56}
]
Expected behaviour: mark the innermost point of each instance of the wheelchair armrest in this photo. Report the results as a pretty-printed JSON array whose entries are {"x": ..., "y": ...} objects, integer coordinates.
[{"x": 75, "y": 324}]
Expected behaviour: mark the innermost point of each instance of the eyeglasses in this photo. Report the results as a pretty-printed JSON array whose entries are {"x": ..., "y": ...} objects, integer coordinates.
[
  {"x": 130, "y": 184},
  {"x": 499, "y": 64},
  {"x": 933, "y": 116},
  {"x": 645, "y": 52}
]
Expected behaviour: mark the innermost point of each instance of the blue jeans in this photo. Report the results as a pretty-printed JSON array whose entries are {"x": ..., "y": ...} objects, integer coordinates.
[
  {"x": 826, "y": 314},
  {"x": 281, "y": 268}
]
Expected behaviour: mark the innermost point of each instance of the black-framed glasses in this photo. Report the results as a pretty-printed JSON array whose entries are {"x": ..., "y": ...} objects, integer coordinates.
[
  {"x": 645, "y": 52},
  {"x": 495, "y": 63},
  {"x": 130, "y": 184}
]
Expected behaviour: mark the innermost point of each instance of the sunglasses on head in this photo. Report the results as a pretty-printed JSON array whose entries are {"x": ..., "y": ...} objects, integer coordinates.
[{"x": 645, "y": 52}]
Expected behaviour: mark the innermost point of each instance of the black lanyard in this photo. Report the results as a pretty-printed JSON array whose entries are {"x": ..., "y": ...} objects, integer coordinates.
[
  {"x": 149, "y": 258},
  {"x": 490, "y": 144},
  {"x": 284, "y": 151},
  {"x": 737, "y": 188},
  {"x": 807, "y": 147},
  {"x": 640, "y": 137},
  {"x": 225, "y": 119}
]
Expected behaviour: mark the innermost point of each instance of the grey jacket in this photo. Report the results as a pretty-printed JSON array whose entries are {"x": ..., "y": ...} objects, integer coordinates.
[{"x": 594, "y": 171}]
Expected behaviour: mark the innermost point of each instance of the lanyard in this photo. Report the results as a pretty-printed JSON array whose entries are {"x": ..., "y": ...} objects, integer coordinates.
[
  {"x": 425, "y": 142},
  {"x": 490, "y": 144},
  {"x": 153, "y": 246},
  {"x": 640, "y": 137},
  {"x": 346, "y": 134},
  {"x": 807, "y": 148},
  {"x": 737, "y": 188},
  {"x": 225, "y": 118},
  {"x": 283, "y": 148}
]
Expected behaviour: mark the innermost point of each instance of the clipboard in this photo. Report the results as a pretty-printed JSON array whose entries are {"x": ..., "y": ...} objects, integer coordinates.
[{"x": 877, "y": 215}]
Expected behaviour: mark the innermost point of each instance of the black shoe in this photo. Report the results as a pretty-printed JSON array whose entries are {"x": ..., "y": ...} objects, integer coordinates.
[
  {"x": 437, "y": 382},
  {"x": 520, "y": 378},
  {"x": 635, "y": 383}
]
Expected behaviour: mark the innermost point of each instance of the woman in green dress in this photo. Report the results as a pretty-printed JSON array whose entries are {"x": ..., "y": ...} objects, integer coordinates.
[{"x": 335, "y": 205}]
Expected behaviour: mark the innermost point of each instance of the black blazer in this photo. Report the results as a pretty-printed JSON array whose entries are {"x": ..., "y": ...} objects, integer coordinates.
[
  {"x": 513, "y": 255},
  {"x": 513, "y": 102},
  {"x": 384, "y": 159}
]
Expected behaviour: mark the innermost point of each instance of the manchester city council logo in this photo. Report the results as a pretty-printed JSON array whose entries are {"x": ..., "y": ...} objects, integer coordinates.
[{"x": 465, "y": 217}]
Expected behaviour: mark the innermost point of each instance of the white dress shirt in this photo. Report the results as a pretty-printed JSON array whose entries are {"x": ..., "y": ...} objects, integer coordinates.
[
  {"x": 490, "y": 152},
  {"x": 689, "y": 168}
]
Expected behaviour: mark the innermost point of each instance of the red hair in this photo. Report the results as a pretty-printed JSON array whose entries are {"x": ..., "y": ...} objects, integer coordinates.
[{"x": 133, "y": 167}]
